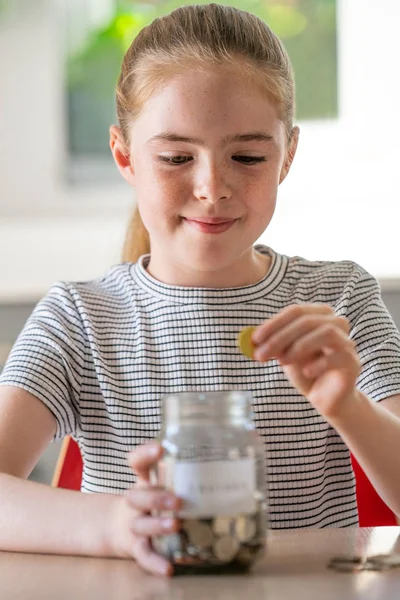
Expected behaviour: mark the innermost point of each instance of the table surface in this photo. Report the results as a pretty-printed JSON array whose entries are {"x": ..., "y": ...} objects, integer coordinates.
[{"x": 294, "y": 568}]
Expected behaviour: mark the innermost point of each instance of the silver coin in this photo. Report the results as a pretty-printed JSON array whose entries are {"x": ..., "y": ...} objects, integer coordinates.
[
  {"x": 349, "y": 564},
  {"x": 222, "y": 525},
  {"x": 167, "y": 545},
  {"x": 200, "y": 535},
  {"x": 354, "y": 560},
  {"x": 187, "y": 524},
  {"x": 387, "y": 560},
  {"x": 160, "y": 546},
  {"x": 208, "y": 558},
  {"x": 193, "y": 550},
  {"x": 225, "y": 548},
  {"x": 350, "y": 567},
  {"x": 245, "y": 528},
  {"x": 245, "y": 556}
]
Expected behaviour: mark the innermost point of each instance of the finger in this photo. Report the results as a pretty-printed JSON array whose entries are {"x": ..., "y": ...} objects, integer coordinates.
[
  {"x": 281, "y": 342},
  {"x": 286, "y": 316},
  {"x": 149, "y": 560},
  {"x": 326, "y": 337},
  {"x": 344, "y": 324},
  {"x": 144, "y": 458},
  {"x": 348, "y": 360},
  {"x": 147, "y": 499},
  {"x": 149, "y": 526}
]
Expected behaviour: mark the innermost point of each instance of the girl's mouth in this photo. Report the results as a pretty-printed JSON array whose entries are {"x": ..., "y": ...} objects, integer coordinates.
[{"x": 210, "y": 225}]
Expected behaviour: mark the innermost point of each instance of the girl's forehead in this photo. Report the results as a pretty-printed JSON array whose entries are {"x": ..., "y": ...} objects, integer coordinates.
[
  {"x": 207, "y": 82},
  {"x": 203, "y": 96},
  {"x": 209, "y": 105}
]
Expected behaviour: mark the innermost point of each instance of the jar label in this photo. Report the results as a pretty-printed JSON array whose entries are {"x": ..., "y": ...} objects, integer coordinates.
[{"x": 211, "y": 488}]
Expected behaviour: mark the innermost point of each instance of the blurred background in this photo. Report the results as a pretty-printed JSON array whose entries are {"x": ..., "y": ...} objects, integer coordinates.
[{"x": 63, "y": 206}]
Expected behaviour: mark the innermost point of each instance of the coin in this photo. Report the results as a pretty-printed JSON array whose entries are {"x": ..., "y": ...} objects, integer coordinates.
[
  {"x": 245, "y": 556},
  {"x": 213, "y": 543},
  {"x": 200, "y": 534},
  {"x": 222, "y": 525},
  {"x": 225, "y": 548},
  {"x": 348, "y": 567},
  {"x": 354, "y": 560},
  {"x": 351, "y": 564},
  {"x": 169, "y": 544},
  {"x": 386, "y": 560},
  {"x": 245, "y": 528},
  {"x": 244, "y": 341}
]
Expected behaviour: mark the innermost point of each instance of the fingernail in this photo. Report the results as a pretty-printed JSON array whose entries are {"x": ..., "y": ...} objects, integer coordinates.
[
  {"x": 166, "y": 570},
  {"x": 167, "y": 524},
  {"x": 169, "y": 502},
  {"x": 153, "y": 449}
]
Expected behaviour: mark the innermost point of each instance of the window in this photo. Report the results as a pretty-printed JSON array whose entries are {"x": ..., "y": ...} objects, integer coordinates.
[{"x": 99, "y": 33}]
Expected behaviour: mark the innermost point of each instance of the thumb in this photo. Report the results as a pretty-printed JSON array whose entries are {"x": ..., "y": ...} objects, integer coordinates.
[{"x": 143, "y": 459}]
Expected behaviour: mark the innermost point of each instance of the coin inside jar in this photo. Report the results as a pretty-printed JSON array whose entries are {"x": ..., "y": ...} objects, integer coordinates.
[
  {"x": 200, "y": 534},
  {"x": 212, "y": 545},
  {"x": 225, "y": 548},
  {"x": 222, "y": 525},
  {"x": 245, "y": 528}
]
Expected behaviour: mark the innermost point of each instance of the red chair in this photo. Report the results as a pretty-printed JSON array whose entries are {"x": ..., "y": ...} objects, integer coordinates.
[
  {"x": 69, "y": 467},
  {"x": 373, "y": 512}
]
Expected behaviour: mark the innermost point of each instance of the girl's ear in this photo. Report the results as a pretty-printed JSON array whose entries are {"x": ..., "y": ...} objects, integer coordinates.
[
  {"x": 121, "y": 155},
  {"x": 290, "y": 153}
]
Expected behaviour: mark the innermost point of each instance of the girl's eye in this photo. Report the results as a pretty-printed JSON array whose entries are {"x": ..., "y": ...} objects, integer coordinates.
[
  {"x": 181, "y": 160},
  {"x": 174, "y": 160},
  {"x": 250, "y": 160}
]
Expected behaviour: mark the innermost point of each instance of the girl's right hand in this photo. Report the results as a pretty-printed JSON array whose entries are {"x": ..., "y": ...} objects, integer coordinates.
[{"x": 134, "y": 524}]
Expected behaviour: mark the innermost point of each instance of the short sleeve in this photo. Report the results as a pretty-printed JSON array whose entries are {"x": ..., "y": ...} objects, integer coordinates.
[
  {"x": 47, "y": 358},
  {"x": 377, "y": 338}
]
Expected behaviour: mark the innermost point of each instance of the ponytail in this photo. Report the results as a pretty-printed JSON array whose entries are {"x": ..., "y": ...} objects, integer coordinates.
[{"x": 137, "y": 241}]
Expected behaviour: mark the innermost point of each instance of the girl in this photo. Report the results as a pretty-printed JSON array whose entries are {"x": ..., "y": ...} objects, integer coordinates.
[{"x": 205, "y": 104}]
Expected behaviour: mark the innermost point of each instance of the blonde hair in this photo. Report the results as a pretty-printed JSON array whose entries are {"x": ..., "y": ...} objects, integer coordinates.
[{"x": 199, "y": 36}]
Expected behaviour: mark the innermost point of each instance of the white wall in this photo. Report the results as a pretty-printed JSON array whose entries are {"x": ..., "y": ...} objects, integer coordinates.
[{"x": 341, "y": 199}]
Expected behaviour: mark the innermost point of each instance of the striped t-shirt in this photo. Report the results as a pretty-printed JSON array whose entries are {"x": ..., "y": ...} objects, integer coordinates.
[{"x": 101, "y": 354}]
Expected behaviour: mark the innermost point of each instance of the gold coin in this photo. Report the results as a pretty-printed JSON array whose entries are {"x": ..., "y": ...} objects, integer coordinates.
[
  {"x": 225, "y": 548},
  {"x": 245, "y": 528},
  {"x": 245, "y": 556},
  {"x": 200, "y": 535},
  {"x": 222, "y": 525},
  {"x": 244, "y": 341}
]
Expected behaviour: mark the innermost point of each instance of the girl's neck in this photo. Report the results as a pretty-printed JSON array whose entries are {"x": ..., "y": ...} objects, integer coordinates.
[{"x": 250, "y": 270}]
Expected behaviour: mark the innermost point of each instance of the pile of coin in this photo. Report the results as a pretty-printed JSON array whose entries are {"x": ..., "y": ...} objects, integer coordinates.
[
  {"x": 354, "y": 564},
  {"x": 219, "y": 544}
]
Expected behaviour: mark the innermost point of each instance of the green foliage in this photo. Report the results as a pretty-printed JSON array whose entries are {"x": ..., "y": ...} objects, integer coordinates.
[{"x": 306, "y": 27}]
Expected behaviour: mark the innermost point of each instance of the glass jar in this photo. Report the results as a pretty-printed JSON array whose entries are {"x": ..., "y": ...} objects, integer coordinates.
[{"x": 215, "y": 461}]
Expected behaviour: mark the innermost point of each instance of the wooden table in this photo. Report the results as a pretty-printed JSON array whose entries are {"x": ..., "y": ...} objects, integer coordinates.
[{"x": 294, "y": 568}]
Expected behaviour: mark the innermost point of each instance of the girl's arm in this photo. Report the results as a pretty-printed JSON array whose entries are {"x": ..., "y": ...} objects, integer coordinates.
[
  {"x": 371, "y": 431},
  {"x": 37, "y": 518},
  {"x": 315, "y": 351}
]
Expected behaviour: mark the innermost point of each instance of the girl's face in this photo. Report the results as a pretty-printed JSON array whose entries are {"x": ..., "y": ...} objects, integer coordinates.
[{"x": 207, "y": 154}]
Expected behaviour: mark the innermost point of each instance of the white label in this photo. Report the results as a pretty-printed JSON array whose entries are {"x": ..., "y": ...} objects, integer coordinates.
[{"x": 214, "y": 488}]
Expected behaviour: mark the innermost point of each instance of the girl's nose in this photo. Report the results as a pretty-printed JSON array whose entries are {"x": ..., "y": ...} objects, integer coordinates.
[{"x": 211, "y": 184}]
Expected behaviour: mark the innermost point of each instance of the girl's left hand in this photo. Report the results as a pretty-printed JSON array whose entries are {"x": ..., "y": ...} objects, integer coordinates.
[{"x": 313, "y": 347}]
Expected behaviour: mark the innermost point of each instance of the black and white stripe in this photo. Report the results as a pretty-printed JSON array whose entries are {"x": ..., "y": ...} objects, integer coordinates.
[{"x": 101, "y": 354}]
